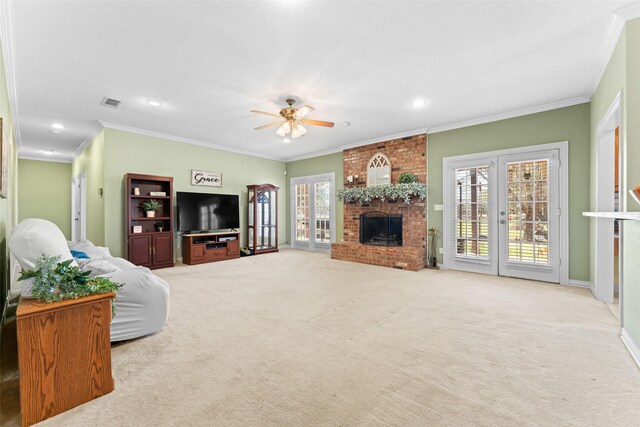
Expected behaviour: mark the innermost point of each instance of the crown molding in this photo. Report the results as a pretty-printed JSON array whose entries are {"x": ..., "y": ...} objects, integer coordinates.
[
  {"x": 604, "y": 56},
  {"x": 8, "y": 56},
  {"x": 629, "y": 12},
  {"x": 44, "y": 158},
  {"x": 511, "y": 114},
  {"x": 186, "y": 140},
  {"x": 315, "y": 154},
  {"x": 87, "y": 141},
  {"x": 386, "y": 138},
  {"x": 357, "y": 144}
]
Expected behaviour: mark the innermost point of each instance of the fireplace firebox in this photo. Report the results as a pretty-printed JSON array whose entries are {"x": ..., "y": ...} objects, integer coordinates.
[{"x": 380, "y": 229}]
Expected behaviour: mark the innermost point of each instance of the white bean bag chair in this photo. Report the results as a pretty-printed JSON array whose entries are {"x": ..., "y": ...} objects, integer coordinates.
[{"x": 142, "y": 304}]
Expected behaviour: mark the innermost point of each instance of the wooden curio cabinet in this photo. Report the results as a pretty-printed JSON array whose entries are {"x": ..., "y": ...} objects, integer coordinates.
[
  {"x": 262, "y": 218},
  {"x": 149, "y": 239}
]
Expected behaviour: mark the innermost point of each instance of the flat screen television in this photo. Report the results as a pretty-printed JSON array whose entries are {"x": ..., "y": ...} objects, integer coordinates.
[{"x": 206, "y": 211}]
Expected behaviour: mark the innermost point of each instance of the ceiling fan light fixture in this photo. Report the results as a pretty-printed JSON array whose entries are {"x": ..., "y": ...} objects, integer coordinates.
[
  {"x": 297, "y": 131},
  {"x": 284, "y": 129}
]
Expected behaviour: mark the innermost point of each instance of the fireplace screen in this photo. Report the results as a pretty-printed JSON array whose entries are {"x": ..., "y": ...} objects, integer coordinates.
[{"x": 380, "y": 229}]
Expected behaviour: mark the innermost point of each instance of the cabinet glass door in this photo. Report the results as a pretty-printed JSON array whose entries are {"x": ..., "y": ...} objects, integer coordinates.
[
  {"x": 266, "y": 219},
  {"x": 262, "y": 218}
]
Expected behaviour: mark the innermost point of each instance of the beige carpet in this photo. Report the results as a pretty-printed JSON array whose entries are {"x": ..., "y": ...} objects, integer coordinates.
[{"x": 297, "y": 339}]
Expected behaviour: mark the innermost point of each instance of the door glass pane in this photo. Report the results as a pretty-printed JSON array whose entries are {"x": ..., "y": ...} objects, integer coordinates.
[
  {"x": 472, "y": 212},
  {"x": 302, "y": 212},
  {"x": 527, "y": 222},
  {"x": 322, "y": 212}
]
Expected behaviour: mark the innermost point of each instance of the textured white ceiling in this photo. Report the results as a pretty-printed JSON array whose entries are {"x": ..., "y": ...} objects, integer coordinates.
[{"x": 362, "y": 62}]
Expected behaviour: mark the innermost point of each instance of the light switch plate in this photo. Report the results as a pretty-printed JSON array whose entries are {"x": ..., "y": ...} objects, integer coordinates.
[
  {"x": 438, "y": 207},
  {"x": 441, "y": 250}
]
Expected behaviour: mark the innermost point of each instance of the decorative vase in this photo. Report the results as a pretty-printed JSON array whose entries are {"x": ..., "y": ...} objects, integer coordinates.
[
  {"x": 151, "y": 214},
  {"x": 160, "y": 229}
]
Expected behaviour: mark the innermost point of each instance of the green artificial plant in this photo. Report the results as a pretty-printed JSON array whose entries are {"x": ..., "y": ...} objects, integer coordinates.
[
  {"x": 408, "y": 178},
  {"x": 150, "y": 205},
  {"x": 57, "y": 281}
]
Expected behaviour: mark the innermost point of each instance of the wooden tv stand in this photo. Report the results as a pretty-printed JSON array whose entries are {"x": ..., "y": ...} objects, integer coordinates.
[{"x": 209, "y": 247}]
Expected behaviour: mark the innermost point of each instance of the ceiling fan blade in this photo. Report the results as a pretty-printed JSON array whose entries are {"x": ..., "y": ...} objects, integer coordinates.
[
  {"x": 264, "y": 113},
  {"x": 317, "y": 123},
  {"x": 304, "y": 111},
  {"x": 268, "y": 125}
]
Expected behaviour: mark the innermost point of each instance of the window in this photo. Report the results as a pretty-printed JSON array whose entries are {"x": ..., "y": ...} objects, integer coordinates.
[
  {"x": 378, "y": 170},
  {"x": 472, "y": 212},
  {"x": 528, "y": 207}
]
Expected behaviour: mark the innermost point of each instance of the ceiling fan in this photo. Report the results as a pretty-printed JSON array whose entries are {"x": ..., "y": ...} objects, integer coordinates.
[{"x": 291, "y": 120}]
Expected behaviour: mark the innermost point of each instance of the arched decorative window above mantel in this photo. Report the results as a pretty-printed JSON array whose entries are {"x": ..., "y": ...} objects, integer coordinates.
[{"x": 378, "y": 170}]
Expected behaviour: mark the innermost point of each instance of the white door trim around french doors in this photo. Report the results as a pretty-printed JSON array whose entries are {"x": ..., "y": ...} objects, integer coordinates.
[
  {"x": 490, "y": 162},
  {"x": 312, "y": 223},
  {"x": 78, "y": 208}
]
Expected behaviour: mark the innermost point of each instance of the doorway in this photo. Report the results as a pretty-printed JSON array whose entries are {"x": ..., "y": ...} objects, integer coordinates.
[
  {"x": 503, "y": 213},
  {"x": 78, "y": 208},
  {"x": 313, "y": 212},
  {"x": 610, "y": 191}
]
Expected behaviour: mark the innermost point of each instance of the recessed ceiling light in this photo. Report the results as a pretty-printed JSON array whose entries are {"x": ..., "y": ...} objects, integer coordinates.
[
  {"x": 419, "y": 103},
  {"x": 346, "y": 124},
  {"x": 286, "y": 140},
  {"x": 49, "y": 151},
  {"x": 57, "y": 126},
  {"x": 154, "y": 103}
]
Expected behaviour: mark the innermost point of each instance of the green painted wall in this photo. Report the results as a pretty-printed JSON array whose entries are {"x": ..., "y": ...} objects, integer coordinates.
[
  {"x": 44, "y": 191},
  {"x": 8, "y": 204},
  {"x": 631, "y": 117},
  {"x": 631, "y": 229},
  {"x": 91, "y": 163},
  {"x": 315, "y": 166},
  {"x": 564, "y": 124},
  {"x": 126, "y": 152}
]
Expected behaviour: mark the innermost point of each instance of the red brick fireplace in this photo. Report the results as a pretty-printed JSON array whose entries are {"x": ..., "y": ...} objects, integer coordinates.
[{"x": 406, "y": 155}]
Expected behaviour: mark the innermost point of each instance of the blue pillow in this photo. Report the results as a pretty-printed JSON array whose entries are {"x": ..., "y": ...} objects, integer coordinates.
[{"x": 79, "y": 255}]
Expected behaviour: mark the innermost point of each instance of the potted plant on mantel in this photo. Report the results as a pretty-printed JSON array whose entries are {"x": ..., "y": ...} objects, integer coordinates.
[{"x": 150, "y": 207}]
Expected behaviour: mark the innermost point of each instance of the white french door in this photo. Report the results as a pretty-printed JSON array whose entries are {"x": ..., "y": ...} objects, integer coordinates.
[
  {"x": 529, "y": 216},
  {"x": 313, "y": 212},
  {"x": 502, "y": 213}
]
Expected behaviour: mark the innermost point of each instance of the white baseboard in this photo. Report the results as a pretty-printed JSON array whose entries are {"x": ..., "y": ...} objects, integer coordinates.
[
  {"x": 631, "y": 346},
  {"x": 579, "y": 283}
]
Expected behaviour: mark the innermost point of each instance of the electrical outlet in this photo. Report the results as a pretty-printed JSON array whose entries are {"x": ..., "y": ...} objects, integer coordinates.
[
  {"x": 441, "y": 250},
  {"x": 438, "y": 207}
]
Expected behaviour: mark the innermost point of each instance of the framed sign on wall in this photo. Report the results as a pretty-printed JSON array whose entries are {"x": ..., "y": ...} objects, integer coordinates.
[{"x": 210, "y": 179}]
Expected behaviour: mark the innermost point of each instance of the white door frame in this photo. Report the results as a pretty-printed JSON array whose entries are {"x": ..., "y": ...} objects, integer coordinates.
[
  {"x": 490, "y": 157},
  {"x": 78, "y": 204},
  {"x": 310, "y": 179},
  {"x": 603, "y": 287}
]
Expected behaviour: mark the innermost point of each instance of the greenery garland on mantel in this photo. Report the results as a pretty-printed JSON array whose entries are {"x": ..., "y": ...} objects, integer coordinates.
[{"x": 383, "y": 192}]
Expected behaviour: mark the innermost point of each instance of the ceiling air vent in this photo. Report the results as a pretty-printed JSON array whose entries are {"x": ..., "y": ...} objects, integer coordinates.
[{"x": 110, "y": 102}]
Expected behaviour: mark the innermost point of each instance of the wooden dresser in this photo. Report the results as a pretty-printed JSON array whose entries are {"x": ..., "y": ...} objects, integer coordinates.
[{"x": 64, "y": 354}]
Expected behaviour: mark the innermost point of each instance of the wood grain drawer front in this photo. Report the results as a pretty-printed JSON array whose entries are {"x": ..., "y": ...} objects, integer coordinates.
[
  {"x": 217, "y": 253},
  {"x": 197, "y": 251},
  {"x": 233, "y": 247}
]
